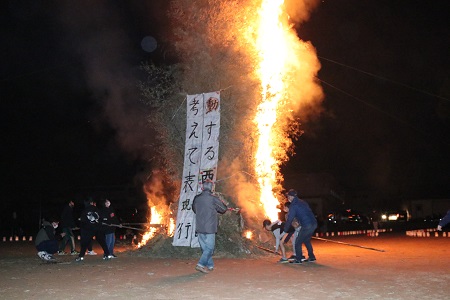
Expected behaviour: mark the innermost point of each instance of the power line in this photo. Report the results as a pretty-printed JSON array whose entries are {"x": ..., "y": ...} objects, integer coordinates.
[
  {"x": 384, "y": 78},
  {"x": 379, "y": 110}
]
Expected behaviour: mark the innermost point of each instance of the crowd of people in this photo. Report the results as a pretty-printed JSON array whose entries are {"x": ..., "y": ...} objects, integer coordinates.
[
  {"x": 99, "y": 222},
  {"x": 297, "y": 223}
]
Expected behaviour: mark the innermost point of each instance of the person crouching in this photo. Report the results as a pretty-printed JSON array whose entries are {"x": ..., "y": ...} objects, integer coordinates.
[{"x": 46, "y": 240}]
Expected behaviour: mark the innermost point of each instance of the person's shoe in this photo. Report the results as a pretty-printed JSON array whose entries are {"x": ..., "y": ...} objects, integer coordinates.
[
  {"x": 41, "y": 254},
  {"x": 201, "y": 269},
  {"x": 296, "y": 262},
  {"x": 62, "y": 253},
  {"x": 92, "y": 252},
  {"x": 283, "y": 260},
  {"x": 292, "y": 257},
  {"x": 48, "y": 257},
  {"x": 113, "y": 256},
  {"x": 211, "y": 269},
  {"x": 79, "y": 258},
  {"x": 74, "y": 252},
  {"x": 311, "y": 259},
  {"x": 107, "y": 257}
]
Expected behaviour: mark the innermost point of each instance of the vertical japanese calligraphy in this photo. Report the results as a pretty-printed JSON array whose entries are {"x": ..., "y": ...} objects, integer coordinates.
[{"x": 200, "y": 160}]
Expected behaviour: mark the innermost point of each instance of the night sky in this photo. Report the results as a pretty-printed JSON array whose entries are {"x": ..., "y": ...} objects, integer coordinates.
[
  {"x": 385, "y": 73},
  {"x": 71, "y": 115}
]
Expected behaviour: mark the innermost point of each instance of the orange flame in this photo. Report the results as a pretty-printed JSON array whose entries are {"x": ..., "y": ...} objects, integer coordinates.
[
  {"x": 160, "y": 212},
  {"x": 155, "y": 219},
  {"x": 171, "y": 227},
  {"x": 280, "y": 57}
]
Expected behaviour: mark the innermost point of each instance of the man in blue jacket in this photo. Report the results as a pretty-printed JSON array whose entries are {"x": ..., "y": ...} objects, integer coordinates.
[{"x": 301, "y": 211}]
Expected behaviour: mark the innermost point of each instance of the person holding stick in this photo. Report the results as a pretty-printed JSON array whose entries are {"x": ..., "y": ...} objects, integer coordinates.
[
  {"x": 206, "y": 207},
  {"x": 91, "y": 226},
  {"x": 282, "y": 237},
  {"x": 67, "y": 227},
  {"x": 110, "y": 220},
  {"x": 301, "y": 211}
]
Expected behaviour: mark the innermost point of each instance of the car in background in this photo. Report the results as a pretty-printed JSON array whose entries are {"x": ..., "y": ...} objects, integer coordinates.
[
  {"x": 394, "y": 216},
  {"x": 348, "y": 219}
]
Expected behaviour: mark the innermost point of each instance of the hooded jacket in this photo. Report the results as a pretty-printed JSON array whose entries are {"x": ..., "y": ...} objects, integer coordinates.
[{"x": 46, "y": 233}]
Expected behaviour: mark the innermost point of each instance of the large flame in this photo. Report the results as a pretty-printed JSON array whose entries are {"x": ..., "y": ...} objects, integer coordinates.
[
  {"x": 278, "y": 46},
  {"x": 285, "y": 68},
  {"x": 160, "y": 218}
]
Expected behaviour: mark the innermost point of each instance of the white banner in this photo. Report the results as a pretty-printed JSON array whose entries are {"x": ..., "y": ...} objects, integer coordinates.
[{"x": 200, "y": 160}]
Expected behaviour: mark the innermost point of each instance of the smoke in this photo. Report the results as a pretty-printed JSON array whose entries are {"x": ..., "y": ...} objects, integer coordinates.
[
  {"x": 98, "y": 34},
  {"x": 305, "y": 94},
  {"x": 300, "y": 11},
  {"x": 158, "y": 189},
  {"x": 220, "y": 40},
  {"x": 243, "y": 186}
]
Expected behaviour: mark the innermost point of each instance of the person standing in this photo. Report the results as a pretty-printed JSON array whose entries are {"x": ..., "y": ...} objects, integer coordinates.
[
  {"x": 110, "y": 220},
  {"x": 67, "y": 225},
  {"x": 206, "y": 207},
  {"x": 90, "y": 249},
  {"x": 91, "y": 226},
  {"x": 301, "y": 211}
]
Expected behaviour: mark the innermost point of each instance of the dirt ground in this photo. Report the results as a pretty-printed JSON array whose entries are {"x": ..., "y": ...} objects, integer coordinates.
[{"x": 409, "y": 268}]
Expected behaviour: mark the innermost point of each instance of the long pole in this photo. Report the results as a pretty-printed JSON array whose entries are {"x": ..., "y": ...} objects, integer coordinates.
[
  {"x": 268, "y": 250},
  {"x": 135, "y": 228},
  {"x": 347, "y": 244},
  {"x": 121, "y": 226}
]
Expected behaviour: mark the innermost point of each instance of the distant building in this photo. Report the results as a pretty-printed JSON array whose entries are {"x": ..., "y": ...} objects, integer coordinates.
[
  {"x": 320, "y": 190},
  {"x": 427, "y": 208}
]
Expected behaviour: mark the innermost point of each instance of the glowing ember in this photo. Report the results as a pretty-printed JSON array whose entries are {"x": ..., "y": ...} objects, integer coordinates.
[
  {"x": 248, "y": 234},
  {"x": 171, "y": 227}
]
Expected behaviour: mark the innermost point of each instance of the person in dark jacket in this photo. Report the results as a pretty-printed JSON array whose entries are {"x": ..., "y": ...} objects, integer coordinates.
[
  {"x": 67, "y": 224},
  {"x": 206, "y": 206},
  {"x": 444, "y": 221},
  {"x": 301, "y": 211},
  {"x": 46, "y": 240},
  {"x": 110, "y": 222},
  {"x": 91, "y": 226}
]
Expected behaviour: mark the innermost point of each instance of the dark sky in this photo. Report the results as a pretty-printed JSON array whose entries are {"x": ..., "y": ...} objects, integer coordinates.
[
  {"x": 385, "y": 72},
  {"x": 70, "y": 115}
]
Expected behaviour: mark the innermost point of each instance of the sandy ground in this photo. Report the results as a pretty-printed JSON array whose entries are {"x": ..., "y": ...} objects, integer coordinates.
[{"x": 409, "y": 268}]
